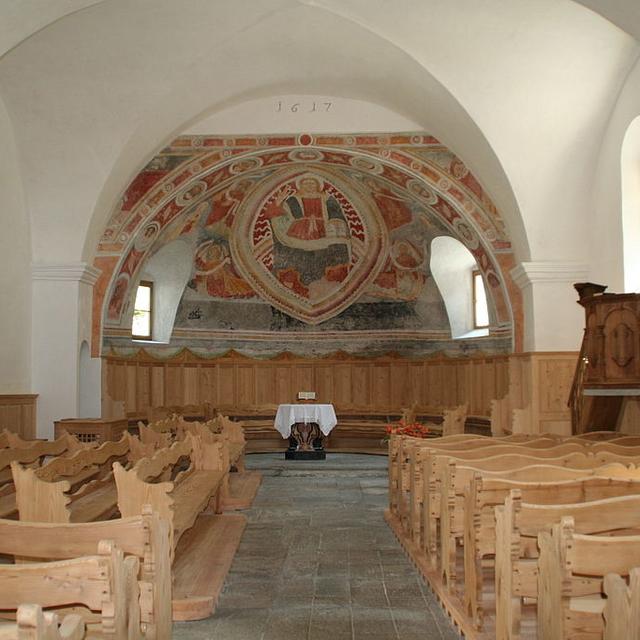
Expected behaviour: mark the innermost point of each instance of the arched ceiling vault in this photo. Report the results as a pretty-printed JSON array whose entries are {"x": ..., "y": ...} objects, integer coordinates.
[
  {"x": 625, "y": 14},
  {"x": 105, "y": 87}
]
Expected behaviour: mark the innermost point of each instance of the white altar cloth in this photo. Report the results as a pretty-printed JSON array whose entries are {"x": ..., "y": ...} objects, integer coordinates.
[{"x": 288, "y": 414}]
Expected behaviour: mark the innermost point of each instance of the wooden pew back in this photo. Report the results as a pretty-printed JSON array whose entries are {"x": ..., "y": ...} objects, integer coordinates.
[
  {"x": 144, "y": 536},
  {"x": 104, "y": 583}
]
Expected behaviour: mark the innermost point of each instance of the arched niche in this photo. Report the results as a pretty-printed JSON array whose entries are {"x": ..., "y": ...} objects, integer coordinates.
[
  {"x": 630, "y": 174},
  {"x": 452, "y": 266},
  {"x": 89, "y": 370},
  {"x": 169, "y": 269}
]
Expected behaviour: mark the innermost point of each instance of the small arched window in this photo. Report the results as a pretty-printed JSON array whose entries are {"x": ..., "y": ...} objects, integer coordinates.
[
  {"x": 142, "y": 325},
  {"x": 480, "y": 308}
]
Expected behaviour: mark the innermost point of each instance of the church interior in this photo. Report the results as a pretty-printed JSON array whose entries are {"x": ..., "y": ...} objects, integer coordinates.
[{"x": 320, "y": 319}]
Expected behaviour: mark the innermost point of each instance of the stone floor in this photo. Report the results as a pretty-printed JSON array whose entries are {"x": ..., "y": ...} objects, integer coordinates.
[{"x": 318, "y": 562}]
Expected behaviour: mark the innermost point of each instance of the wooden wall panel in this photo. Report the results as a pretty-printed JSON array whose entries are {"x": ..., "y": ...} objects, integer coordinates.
[
  {"x": 131, "y": 386},
  {"x": 246, "y": 390},
  {"x": 381, "y": 384},
  {"x": 209, "y": 385},
  {"x": 157, "y": 387},
  {"x": 399, "y": 387},
  {"x": 284, "y": 390},
  {"x": 303, "y": 378},
  {"x": 226, "y": 386},
  {"x": 324, "y": 383},
  {"x": 539, "y": 386},
  {"x": 361, "y": 384},
  {"x": 18, "y": 414},
  {"x": 342, "y": 384},
  {"x": 143, "y": 388},
  {"x": 174, "y": 389},
  {"x": 265, "y": 385},
  {"x": 191, "y": 384}
]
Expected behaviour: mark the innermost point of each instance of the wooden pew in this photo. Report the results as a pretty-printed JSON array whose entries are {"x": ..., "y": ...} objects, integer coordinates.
[
  {"x": 78, "y": 488},
  {"x": 151, "y": 437},
  {"x": 405, "y": 463},
  {"x": 29, "y": 452},
  {"x": 482, "y": 497},
  {"x": 177, "y": 495},
  {"x": 518, "y": 526},
  {"x": 189, "y": 495},
  {"x": 419, "y": 454},
  {"x": 571, "y": 572},
  {"x": 622, "y": 609},
  {"x": 465, "y": 494},
  {"x": 435, "y": 464},
  {"x": 233, "y": 432},
  {"x": 105, "y": 583},
  {"x": 146, "y": 537},
  {"x": 453, "y": 420},
  {"x": 4, "y": 438},
  {"x": 500, "y": 458},
  {"x": 34, "y": 624}
]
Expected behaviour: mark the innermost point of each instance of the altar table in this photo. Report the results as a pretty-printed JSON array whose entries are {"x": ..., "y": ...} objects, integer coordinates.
[
  {"x": 323, "y": 415},
  {"x": 304, "y": 425}
]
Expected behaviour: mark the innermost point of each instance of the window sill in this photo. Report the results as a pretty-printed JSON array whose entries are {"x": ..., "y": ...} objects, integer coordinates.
[{"x": 475, "y": 333}]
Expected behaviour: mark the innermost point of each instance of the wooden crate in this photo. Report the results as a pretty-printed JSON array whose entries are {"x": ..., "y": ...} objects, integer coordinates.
[{"x": 92, "y": 429}]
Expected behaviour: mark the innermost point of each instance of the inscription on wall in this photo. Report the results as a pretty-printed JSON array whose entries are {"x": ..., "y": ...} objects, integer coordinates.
[{"x": 304, "y": 106}]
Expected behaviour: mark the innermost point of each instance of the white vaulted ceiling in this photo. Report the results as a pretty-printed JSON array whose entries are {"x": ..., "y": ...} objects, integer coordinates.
[{"x": 522, "y": 91}]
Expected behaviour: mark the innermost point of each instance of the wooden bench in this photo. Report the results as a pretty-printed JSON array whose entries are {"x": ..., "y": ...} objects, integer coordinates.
[
  {"x": 435, "y": 463},
  {"x": 447, "y": 537},
  {"x": 518, "y": 525},
  {"x": 29, "y": 452},
  {"x": 480, "y": 525},
  {"x": 446, "y": 490},
  {"x": 504, "y": 457},
  {"x": 622, "y": 609},
  {"x": 233, "y": 432},
  {"x": 145, "y": 537},
  {"x": 412, "y": 478},
  {"x": 204, "y": 411},
  {"x": 34, "y": 624},
  {"x": 571, "y": 572},
  {"x": 78, "y": 488},
  {"x": 444, "y": 495},
  {"x": 105, "y": 583},
  {"x": 175, "y": 494},
  {"x": 187, "y": 483},
  {"x": 400, "y": 450}
]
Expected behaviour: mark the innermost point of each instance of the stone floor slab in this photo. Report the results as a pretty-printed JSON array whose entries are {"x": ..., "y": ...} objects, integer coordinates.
[{"x": 318, "y": 562}]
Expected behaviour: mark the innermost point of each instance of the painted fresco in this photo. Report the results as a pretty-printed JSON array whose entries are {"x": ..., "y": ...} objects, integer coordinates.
[{"x": 310, "y": 237}]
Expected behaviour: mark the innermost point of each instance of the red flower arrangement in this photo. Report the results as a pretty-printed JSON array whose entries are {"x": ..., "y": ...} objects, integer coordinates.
[{"x": 402, "y": 428}]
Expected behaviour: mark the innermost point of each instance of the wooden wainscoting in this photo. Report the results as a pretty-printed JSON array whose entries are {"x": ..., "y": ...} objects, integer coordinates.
[
  {"x": 233, "y": 381},
  {"x": 18, "y": 414},
  {"x": 538, "y": 394}
]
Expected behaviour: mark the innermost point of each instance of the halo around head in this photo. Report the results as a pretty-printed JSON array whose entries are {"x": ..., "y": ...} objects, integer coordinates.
[{"x": 309, "y": 176}]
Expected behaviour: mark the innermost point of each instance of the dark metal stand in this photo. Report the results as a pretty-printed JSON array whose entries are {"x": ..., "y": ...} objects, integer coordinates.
[{"x": 305, "y": 442}]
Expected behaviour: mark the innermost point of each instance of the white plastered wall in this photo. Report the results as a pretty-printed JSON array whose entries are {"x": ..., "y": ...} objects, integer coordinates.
[
  {"x": 630, "y": 178},
  {"x": 606, "y": 237},
  {"x": 521, "y": 91},
  {"x": 15, "y": 274},
  {"x": 61, "y": 321}
]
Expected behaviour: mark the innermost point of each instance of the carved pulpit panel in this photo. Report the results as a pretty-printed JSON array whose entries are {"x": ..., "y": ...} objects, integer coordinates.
[{"x": 621, "y": 344}]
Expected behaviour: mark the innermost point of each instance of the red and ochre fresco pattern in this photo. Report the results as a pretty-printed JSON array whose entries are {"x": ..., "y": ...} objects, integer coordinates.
[{"x": 399, "y": 173}]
